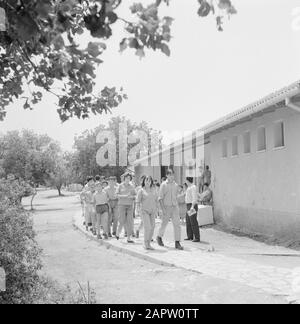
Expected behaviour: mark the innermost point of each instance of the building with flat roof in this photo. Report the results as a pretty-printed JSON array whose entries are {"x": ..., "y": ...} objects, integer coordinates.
[{"x": 254, "y": 157}]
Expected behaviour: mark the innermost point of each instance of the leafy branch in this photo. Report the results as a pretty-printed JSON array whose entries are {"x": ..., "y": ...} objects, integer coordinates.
[{"x": 46, "y": 32}]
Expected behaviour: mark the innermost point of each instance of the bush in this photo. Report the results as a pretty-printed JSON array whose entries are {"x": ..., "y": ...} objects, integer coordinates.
[
  {"x": 19, "y": 254},
  {"x": 12, "y": 190}
]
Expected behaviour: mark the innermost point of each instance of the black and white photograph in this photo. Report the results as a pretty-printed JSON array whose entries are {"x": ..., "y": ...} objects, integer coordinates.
[{"x": 149, "y": 155}]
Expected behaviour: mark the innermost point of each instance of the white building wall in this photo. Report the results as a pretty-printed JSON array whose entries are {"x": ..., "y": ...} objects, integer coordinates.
[{"x": 259, "y": 192}]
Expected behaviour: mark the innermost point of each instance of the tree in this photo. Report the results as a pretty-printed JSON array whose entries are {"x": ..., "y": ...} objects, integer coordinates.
[
  {"x": 30, "y": 157},
  {"x": 83, "y": 161},
  {"x": 27, "y": 155},
  {"x": 59, "y": 175},
  {"x": 40, "y": 49}
]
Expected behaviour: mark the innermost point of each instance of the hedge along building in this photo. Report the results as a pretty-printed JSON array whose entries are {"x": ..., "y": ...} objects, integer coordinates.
[{"x": 254, "y": 156}]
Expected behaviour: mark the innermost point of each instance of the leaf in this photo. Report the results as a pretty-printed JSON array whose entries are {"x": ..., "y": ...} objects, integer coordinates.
[
  {"x": 137, "y": 7},
  {"x": 26, "y": 27},
  {"x": 26, "y": 105},
  {"x": 133, "y": 43},
  {"x": 43, "y": 8},
  {"x": 204, "y": 9},
  {"x": 168, "y": 21},
  {"x": 112, "y": 17},
  {"x": 95, "y": 48},
  {"x": 59, "y": 43},
  {"x": 232, "y": 11},
  {"x": 165, "y": 49},
  {"x": 123, "y": 45},
  {"x": 224, "y": 4},
  {"x": 140, "y": 53}
]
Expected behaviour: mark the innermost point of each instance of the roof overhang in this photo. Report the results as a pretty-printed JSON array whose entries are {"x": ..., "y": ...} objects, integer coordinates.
[{"x": 270, "y": 103}]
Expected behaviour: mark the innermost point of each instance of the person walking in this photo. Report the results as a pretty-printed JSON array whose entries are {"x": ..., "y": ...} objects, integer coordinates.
[
  {"x": 100, "y": 200},
  {"x": 147, "y": 201},
  {"x": 137, "y": 207},
  {"x": 86, "y": 197},
  {"x": 169, "y": 204},
  {"x": 126, "y": 196},
  {"x": 191, "y": 199},
  {"x": 113, "y": 218}
]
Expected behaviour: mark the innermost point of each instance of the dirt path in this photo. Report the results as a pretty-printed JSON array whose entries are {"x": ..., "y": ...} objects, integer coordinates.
[{"x": 69, "y": 257}]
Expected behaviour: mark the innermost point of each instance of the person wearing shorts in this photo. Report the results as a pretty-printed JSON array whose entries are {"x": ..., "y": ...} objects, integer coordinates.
[
  {"x": 86, "y": 197},
  {"x": 100, "y": 200},
  {"x": 126, "y": 196},
  {"x": 113, "y": 218}
]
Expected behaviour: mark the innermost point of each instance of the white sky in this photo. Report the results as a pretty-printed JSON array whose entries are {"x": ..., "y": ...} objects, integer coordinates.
[{"x": 208, "y": 75}]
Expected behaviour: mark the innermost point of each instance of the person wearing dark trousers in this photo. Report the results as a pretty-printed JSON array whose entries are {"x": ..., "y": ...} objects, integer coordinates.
[{"x": 191, "y": 199}]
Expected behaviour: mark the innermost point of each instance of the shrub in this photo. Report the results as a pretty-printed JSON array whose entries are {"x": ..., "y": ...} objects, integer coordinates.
[
  {"x": 12, "y": 190},
  {"x": 19, "y": 252},
  {"x": 19, "y": 255}
]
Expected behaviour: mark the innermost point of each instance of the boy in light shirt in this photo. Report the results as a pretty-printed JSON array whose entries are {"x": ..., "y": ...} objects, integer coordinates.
[
  {"x": 100, "y": 200},
  {"x": 126, "y": 196},
  {"x": 113, "y": 203},
  {"x": 191, "y": 199},
  {"x": 86, "y": 197}
]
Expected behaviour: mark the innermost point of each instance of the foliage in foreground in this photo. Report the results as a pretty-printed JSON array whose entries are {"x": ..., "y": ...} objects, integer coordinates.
[
  {"x": 51, "y": 292},
  {"x": 40, "y": 48},
  {"x": 19, "y": 252},
  {"x": 20, "y": 255}
]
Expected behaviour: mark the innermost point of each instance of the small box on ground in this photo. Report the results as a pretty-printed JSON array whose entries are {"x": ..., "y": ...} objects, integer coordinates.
[{"x": 205, "y": 215}]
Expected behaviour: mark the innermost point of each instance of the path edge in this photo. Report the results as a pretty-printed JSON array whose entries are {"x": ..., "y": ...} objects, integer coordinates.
[{"x": 123, "y": 250}]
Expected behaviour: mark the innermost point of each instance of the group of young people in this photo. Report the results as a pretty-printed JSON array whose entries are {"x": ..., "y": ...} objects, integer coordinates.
[{"x": 109, "y": 208}]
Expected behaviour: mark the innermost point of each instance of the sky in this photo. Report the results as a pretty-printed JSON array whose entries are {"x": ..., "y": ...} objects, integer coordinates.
[{"x": 208, "y": 75}]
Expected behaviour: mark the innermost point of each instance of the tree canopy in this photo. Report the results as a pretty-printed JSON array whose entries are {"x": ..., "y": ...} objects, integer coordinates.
[
  {"x": 83, "y": 161},
  {"x": 40, "y": 50},
  {"x": 29, "y": 156}
]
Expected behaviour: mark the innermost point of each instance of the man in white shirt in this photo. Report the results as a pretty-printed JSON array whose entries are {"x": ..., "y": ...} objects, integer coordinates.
[{"x": 191, "y": 200}]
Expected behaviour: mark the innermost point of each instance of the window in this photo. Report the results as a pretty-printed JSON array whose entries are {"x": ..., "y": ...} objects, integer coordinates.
[
  {"x": 235, "y": 146},
  {"x": 279, "y": 135},
  {"x": 261, "y": 139},
  {"x": 224, "y": 149},
  {"x": 247, "y": 142}
]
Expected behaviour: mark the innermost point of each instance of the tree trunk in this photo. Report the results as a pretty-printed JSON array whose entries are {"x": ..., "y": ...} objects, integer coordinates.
[
  {"x": 31, "y": 203},
  {"x": 59, "y": 191}
]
